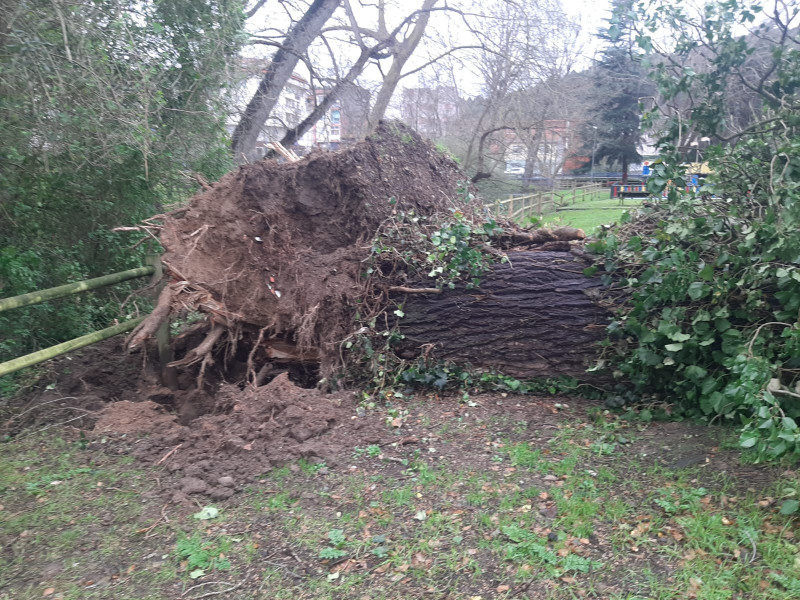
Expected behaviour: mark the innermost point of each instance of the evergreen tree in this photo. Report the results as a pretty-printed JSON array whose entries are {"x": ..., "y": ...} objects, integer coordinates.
[{"x": 621, "y": 81}]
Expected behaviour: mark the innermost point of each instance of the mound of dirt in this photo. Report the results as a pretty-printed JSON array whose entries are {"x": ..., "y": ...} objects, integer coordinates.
[
  {"x": 280, "y": 247},
  {"x": 72, "y": 389},
  {"x": 254, "y": 430}
]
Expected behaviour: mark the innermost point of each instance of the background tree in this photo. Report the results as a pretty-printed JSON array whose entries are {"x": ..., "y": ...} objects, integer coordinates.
[
  {"x": 277, "y": 73},
  {"x": 105, "y": 108},
  {"x": 621, "y": 82}
]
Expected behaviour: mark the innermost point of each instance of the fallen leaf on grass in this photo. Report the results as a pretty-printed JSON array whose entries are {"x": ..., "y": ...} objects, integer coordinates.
[
  {"x": 420, "y": 561},
  {"x": 49, "y": 592},
  {"x": 695, "y": 583},
  {"x": 503, "y": 588},
  {"x": 209, "y": 512},
  {"x": 197, "y": 573},
  {"x": 569, "y": 580}
]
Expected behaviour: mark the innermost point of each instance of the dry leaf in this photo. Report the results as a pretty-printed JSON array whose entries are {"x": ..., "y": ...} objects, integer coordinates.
[
  {"x": 49, "y": 592},
  {"x": 503, "y": 588}
]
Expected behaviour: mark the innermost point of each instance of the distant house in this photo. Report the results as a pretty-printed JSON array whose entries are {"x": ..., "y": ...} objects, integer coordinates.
[
  {"x": 543, "y": 151},
  {"x": 289, "y": 110},
  {"x": 343, "y": 123},
  {"x": 430, "y": 111}
]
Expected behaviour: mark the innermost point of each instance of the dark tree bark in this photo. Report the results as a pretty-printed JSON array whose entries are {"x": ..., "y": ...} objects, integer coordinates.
[
  {"x": 280, "y": 69},
  {"x": 537, "y": 316}
]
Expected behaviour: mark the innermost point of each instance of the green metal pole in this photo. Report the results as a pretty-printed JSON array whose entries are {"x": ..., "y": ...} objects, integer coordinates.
[
  {"x": 42, "y": 355},
  {"x": 73, "y": 288}
]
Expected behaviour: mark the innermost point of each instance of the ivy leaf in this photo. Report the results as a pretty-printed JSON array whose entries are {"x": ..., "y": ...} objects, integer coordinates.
[
  {"x": 673, "y": 348},
  {"x": 679, "y": 337},
  {"x": 696, "y": 373},
  {"x": 697, "y": 290},
  {"x": 789, "y": 507},
  {"x": 209, "y": 512},
  {"x": 748, "y": 442}
]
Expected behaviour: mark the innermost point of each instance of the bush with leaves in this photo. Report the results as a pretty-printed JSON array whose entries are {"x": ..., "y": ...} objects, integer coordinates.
[
  {"x": 711, "y": 280},
  {"x": 106, "y": 110}
]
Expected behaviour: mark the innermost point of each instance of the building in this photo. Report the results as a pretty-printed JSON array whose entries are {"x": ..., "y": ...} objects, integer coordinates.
[
  {"x": 542, "y": 151},
  {"x": 343, "y": 123},
  {"x": 430, "y": 111}
]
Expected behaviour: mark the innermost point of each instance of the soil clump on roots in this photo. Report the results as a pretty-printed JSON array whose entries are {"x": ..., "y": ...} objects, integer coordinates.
[{"x": 274, "y": 253}]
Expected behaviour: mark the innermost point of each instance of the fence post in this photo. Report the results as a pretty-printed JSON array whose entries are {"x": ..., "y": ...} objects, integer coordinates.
[
  {"x": 169, "y": 376},
  {"x": 511, "y": 206}
]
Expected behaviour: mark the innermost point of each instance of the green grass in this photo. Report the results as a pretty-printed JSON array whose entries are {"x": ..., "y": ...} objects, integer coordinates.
[
  {"x": 576, "y": 513},
  {"x": 593, "y": 213}
]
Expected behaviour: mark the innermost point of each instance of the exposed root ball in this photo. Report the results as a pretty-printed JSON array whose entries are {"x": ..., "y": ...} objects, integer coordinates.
[{"x": 279, "y": 248}]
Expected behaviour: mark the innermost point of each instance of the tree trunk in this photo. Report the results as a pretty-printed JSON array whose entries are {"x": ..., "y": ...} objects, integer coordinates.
[
  {"x": 278, "y": 73},
  {"x": 536, "y": 316},
  {"x": 319, "y": 111},
  {"x": 404, "y": 52}
]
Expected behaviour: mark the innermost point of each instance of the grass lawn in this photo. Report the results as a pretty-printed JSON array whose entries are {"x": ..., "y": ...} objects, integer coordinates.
[
  {"x": 497, "y": 497},
  {"x": 592, "y": 214}
]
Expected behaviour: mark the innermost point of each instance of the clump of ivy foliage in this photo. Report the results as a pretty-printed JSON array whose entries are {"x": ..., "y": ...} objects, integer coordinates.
[
  {"x": 106, "y": 110},
  {"x": 710, "y": 319}
]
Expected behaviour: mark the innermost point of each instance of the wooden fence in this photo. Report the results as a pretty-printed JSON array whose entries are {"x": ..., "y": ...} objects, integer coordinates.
[
  {"x": 542, "y": 202},
  {"x": 154, "y": 269}
]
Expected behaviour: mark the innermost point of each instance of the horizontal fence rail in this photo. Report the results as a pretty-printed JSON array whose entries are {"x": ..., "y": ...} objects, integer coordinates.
[
  {"x": 68, "y": 290},
  {"x": 35, "y": 358},
  {"x": 73, "y": 288},
  {"x": 543, "y": 202}
]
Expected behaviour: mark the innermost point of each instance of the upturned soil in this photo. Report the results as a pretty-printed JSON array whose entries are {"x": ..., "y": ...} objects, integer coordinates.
[{"x": 280, "y": 248}]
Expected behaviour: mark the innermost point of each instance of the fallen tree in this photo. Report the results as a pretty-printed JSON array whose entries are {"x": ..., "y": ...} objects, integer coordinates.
[{"x": 294, "y": 262}]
